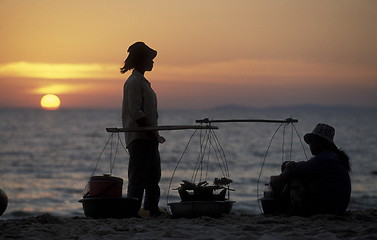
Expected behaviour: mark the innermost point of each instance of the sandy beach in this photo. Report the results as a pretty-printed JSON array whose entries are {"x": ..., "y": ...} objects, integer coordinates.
[{"x": 352, "y": 225}]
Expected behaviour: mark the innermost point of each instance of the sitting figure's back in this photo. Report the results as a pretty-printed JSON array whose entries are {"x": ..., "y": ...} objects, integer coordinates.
[{"x": 325, "y": 180}]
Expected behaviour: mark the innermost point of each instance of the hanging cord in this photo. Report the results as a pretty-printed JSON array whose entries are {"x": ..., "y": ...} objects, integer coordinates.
[
  {"x": 291, "y": 143},
  {"x": 207, "y": 152},
  {"x": 176, "y": 167},
  {"x": 115, "y": 156},
  {"x": 199, "y": 160},
  {"x": 207, "y": 148},
  {"x": 211, "y": 142},
  {"x": 199, "y": 164},
  {"x": 208, "y": 159},
  {"x": 112, "y": 158},
  {"x": 110, "y": 138},
  {"x": 206, "y": 140},
  {"x": 291, "y": 148},
  {"x": 299, "y": 137},
  {"x": 283, "y": 144},
  {"x": 264, "y": 160},
  {"x": 111, "y": 149},
  {"x": 220, "y": 152},
  {"x": 290, "y": 154},
  {"x": 220, "y": 155}
]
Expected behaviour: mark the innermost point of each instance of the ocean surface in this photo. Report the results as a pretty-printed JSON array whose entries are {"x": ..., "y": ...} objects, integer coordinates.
[{"x": 47, "y": 157}]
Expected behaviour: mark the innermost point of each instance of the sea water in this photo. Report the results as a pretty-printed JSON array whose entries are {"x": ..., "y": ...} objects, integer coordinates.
[{"x": 47, "y": 157}]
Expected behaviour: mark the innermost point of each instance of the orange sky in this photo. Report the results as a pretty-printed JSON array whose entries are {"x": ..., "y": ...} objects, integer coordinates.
[{"x": 214, "y": 52}]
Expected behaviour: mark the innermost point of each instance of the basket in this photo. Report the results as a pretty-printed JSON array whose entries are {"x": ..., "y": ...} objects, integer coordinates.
[{"x": 192, "y": 209}]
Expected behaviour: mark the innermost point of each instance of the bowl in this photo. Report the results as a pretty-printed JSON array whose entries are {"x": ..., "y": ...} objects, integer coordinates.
[
  {"x": 98, "y": 207},
  {"x": 192, "y": 209}
]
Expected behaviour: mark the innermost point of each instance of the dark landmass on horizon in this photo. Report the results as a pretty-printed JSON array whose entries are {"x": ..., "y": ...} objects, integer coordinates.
[{"x": 295, "y": 107}]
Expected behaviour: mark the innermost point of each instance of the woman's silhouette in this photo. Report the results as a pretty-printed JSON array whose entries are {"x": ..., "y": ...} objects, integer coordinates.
[{"x": 139, "y": 109}]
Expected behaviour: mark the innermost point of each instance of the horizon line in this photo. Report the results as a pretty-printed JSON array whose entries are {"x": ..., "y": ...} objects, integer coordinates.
[{"x": 218, "y": 107}]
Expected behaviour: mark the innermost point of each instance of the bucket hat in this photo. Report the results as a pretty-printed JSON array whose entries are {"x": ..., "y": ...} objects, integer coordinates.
[
  {"x": 323, "y": 131},
  {"x": 137, "y": 53},
  {"x": 141, "y": 49}
]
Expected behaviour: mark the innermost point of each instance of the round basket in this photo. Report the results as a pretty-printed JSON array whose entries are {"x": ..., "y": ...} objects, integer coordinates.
[{"x": 192, "y": 209}]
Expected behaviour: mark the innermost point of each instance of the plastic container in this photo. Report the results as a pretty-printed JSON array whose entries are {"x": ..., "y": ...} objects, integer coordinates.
[
  {"x": 267, "y": 191},
  {"x": 104, "y": 186}
]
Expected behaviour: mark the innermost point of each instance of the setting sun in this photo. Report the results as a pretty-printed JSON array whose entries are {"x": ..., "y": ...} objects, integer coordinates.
[{"x": 50, "y": 102}]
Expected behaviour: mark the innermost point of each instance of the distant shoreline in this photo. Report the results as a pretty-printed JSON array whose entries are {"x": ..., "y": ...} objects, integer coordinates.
[{"x": 297, "y": 107}]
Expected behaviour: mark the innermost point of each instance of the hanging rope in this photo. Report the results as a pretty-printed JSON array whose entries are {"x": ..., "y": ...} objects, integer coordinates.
[
  {"x": 111, "y": 149},
  {"x": 208, "y": 142},
  {"x": 283, "y": 144},
  {"x": 220, "y": 154},
  {"x": 112, "y": 157},
  {"x": 293, "y": 128},
  {"x": 115, "y": 155},
  {"x": 95, "y": 168},
  {"x": 263, "y": 162},
  {"x": 199, "y": 162},
  {"x": 176, "y": 166},
  {"x": 299, "y": 137}
]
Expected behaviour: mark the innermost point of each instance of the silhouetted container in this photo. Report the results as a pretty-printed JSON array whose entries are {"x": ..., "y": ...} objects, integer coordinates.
[
  {"x": 98, "y": 207},
  {"x": 192, "y": 209},
  {"x": 104, "y": 186},
  {"x": 3, "y": 201},
  {"x": 267, "y": 191},
  {"x": 202, "y": 194},
  {"x": 274, "y": 205}
]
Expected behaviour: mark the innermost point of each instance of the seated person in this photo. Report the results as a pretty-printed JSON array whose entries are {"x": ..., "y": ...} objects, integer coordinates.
[{"x": 321, "y": 184}]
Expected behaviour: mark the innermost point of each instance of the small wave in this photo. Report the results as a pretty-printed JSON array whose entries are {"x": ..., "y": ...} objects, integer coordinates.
[
  {"x": 19, "y": 214},
  {"x": 363, "y": 202}
]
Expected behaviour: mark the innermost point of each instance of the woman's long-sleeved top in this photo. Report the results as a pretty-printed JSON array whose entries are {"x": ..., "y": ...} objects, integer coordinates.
[{"x": 139, "y": 102}]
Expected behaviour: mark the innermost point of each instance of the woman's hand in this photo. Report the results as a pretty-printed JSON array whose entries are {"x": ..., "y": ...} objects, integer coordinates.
[
  {"x": 287, "y": 165},
  {"x": 161, "y": 139}
]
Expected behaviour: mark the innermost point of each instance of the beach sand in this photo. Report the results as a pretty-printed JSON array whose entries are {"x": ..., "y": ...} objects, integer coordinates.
[{"x": 352, "y": 225}]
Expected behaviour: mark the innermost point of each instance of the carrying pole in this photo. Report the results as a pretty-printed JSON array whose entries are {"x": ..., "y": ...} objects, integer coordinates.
[
  {"x": 160, "y": 128},
  {"x": 206, "y": 120}
]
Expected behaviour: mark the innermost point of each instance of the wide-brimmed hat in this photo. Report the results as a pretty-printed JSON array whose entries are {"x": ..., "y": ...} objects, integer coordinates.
[
  {"x": 142, "y": 50},
  {"x": 322, "y": 130}
]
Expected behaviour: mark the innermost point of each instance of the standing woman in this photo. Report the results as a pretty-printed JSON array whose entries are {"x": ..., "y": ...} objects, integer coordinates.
[{"x": 139, "y": 109}]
